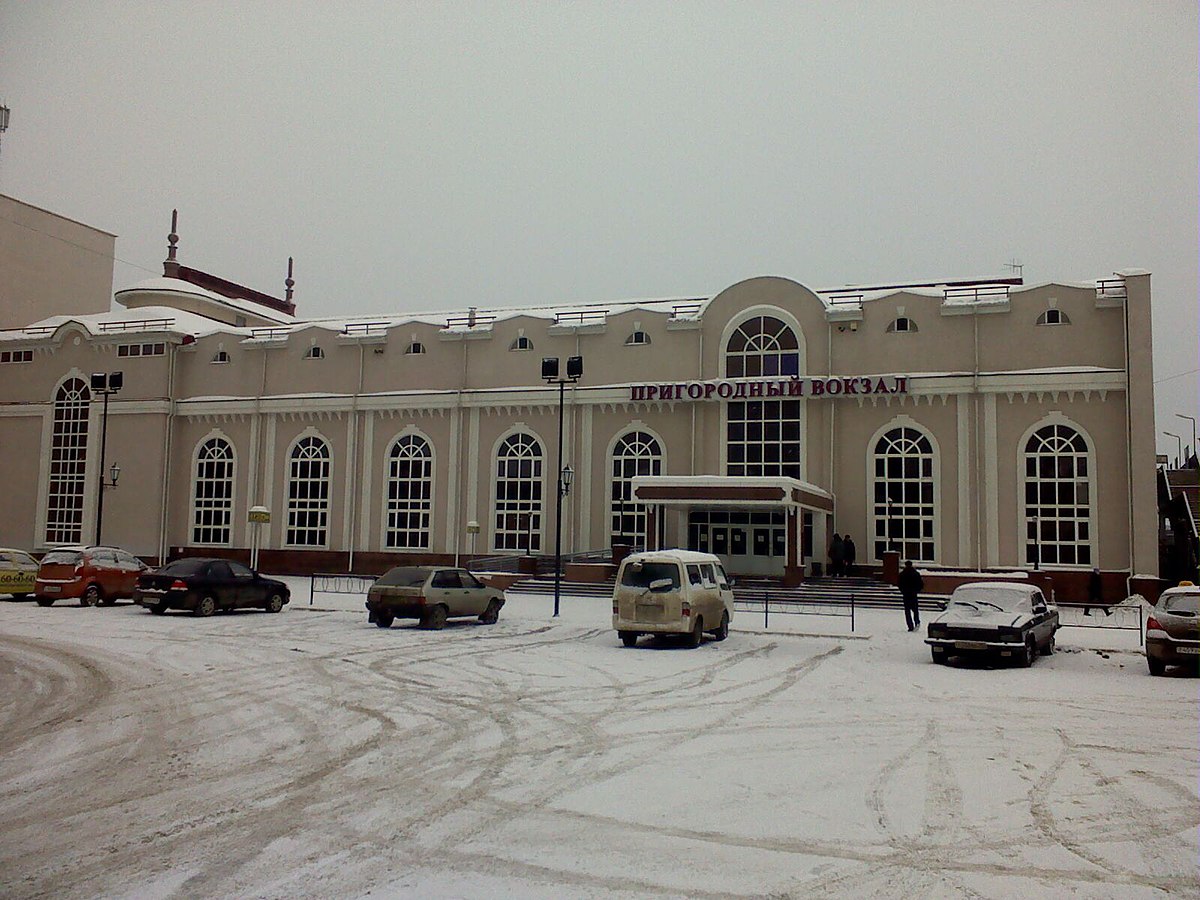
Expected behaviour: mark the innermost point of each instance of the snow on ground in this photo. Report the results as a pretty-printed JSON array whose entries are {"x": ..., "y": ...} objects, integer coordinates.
[{"x": 312, "y": 754}]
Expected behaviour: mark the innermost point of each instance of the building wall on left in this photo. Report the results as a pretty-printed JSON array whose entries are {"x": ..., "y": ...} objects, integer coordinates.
[{"x": 50, "y": 265}]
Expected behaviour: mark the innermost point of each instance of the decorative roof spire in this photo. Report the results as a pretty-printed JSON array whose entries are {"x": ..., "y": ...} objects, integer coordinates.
[
  {"x": 289, "y": 283},
  {"x": 171, "y": 265}
]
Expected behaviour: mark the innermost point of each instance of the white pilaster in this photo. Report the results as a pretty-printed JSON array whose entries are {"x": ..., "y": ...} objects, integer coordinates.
[
  {"x": 348, "y": 493},
  {"x": 585, "y": 479},
  {"x": 453, "y": 476},
  {"x": 966, "y": 509},
  {"x": 365, "y": 513},
  {"x": 268, "y": 488},
  {"x": 991, "y": 481}
]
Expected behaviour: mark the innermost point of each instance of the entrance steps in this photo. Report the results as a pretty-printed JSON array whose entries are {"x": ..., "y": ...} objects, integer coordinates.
[{"x": 867, "y": 593}]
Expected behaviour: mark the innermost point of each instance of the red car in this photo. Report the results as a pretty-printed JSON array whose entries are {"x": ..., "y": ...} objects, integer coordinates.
[{"x": 92, "y": 575}]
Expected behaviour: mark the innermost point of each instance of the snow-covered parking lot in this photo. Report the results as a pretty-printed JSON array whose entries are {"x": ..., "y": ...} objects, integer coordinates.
[{"x": 311, "y": 754}]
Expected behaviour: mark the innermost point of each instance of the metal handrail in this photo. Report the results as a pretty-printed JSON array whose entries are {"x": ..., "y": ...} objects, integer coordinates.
[
  {"x": 581, "y": 317},
  {"x": 137, "y": 325},
  {"x": 1112, "y": 287},
  {"x": 362, "y": 328},
  {"x": 269, "y": 333},
  {"x": 976, "y": 294},
  {"x": 682, "y": 310}
]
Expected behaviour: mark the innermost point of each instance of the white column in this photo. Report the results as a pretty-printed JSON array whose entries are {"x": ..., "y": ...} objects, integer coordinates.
[
  {"x": 584, "y": 480},
  {"x": 268, "y": 488},
  {"x": 366, "y": 515},
  {"x": 455, "y": 464}
]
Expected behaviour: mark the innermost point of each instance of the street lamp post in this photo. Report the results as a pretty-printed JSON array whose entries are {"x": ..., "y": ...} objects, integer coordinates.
[
  {"x": 565, "y": 474},
  {"x": 1192, "y": 419},
  {"x": 105, "y": 384},
  {"x": 1037, "y": 543},
  {"x": 1178, "y": 447},
  {"x": 890, "y": 544}
]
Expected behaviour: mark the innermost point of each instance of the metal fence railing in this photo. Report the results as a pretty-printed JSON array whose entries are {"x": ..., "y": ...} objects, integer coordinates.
[
  {"x": 338, "y": 583},
  {"x": 755, "y": 602},
  {"x": 1123, "y": 617}
]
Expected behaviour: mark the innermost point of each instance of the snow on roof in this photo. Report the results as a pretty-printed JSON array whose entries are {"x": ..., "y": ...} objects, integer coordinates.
[
  {"x": 179, "y": 286},
  {"x": 116, "y": 322}
]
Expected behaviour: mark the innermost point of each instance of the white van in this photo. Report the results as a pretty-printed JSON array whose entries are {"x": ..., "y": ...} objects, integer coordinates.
[{"x": 672, "y": 592}]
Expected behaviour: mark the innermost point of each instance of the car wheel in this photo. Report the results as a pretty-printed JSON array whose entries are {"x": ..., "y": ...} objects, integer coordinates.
[
  {"x": 1049, "y": 648},
  {"x": 91, "y": 597},
  {"x": 384, "y": 619},
  {"x": 492, "y": 614},
  {"x": 1026, "y": 659},
  {"x": 205, "y": 607},
  {"x": 1156, "y": 666},
  {"x": 722, "y": 631},
  {"x": 19, "y": 596},
  {"x": 435, "y": 619},
  {"x": 158, "y": 609},
  {"x": 628, "y": 638},
  {"x": 274, "y": 604},
  {"x": 45, "y": 601},
  {"x": 696, "y": 635},
  {"x": 939, "y": 655}
]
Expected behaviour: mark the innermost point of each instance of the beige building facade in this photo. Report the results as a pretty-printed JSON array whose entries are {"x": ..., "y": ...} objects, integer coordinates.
[
  {"x": 50, "y": 265},
  {"x": 963, "y": 424}
]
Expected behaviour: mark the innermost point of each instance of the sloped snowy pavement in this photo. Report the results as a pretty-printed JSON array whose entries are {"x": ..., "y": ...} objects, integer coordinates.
[{"x": 311, "y": 754}]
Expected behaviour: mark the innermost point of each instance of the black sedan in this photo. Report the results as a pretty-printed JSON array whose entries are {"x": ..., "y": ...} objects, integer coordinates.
[{"x": 204, "y": 586}]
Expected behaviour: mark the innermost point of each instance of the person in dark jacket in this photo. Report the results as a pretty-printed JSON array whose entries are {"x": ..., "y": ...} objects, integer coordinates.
[
  {"x": 837, "y": 555},
  {"x": 850, "y": 552},
  {"x": 911, "y": 584},
  {"x": 1096, "y": 594}
]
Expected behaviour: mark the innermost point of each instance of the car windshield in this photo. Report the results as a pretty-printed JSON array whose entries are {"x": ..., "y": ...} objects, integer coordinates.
[
  {"x": 643, "y": 574},
  {"x": 990, "y": 598},
  {"x": 184, "y": 567},
  {"x": 62, "y": 558},
  {"x": 404, "y": 576},
  {"x": 1182, "y": 603}
]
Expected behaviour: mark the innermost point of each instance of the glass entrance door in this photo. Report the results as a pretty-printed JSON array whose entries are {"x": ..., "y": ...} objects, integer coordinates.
[{"x": 748, "y": 543}]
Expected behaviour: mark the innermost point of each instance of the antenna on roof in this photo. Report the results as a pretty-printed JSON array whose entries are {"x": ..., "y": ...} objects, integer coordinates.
[
  {"x": 288, "y": 283},
  {"x": 1015, "y": 266},
  {"x": 170, "y": 265},
  {"x": 4, "y": 114}
]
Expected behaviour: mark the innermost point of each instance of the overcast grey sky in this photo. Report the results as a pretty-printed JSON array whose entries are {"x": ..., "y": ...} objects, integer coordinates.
[{"x": 437, "y": 155}]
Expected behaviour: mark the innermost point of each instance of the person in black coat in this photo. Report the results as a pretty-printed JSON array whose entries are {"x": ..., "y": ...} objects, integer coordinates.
[
  {"x": 850, "y": 552},
  {"x": 837, "y": 555},
  {"x": 911, "y": 584},
  {"x": 1096, "y": 594}
]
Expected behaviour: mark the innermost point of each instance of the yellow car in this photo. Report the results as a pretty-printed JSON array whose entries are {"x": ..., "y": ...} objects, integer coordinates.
[{"x": 17, "y": 572}]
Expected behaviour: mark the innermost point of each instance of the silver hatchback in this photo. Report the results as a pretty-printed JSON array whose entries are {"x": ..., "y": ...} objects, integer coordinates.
[{"x": 431, "y": 594}]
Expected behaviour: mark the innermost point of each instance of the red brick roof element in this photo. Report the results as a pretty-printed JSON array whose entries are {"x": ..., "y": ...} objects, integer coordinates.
[{"x": 225, "y": 288}]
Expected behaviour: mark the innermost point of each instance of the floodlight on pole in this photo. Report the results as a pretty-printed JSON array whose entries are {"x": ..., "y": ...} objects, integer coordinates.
[{"x": 550, "y": 370}]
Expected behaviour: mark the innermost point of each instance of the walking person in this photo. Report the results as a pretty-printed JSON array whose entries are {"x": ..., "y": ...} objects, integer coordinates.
[
  {"x": 837, "y": 555},
  {"x": 1096, "y": 594},
  {"x": 850, "y": 552},
  {"x": 911, "y": 584}
]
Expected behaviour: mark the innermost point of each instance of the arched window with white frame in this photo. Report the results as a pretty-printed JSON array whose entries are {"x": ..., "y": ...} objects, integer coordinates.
[
  {"x": 212, "y": 493},
  {"x": 763, "y": 436},
  {"x": 518, "y": 523},
  {"x": 1057, "y": 497},
  {"x": 308, "y": 493},
  {"x": 409, "y": 494},
  {"x": 635, "y": 453},
  {"x": 68, "y": 463},
  {"x": 903, "y": 507}
]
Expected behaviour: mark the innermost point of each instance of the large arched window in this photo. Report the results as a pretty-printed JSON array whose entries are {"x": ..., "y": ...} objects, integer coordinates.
[
  {"x": 763, "y": 436},
  {"x": 635, "y": 453},
  {"x": 308, "y": 493},
  {"x": 1058, "y": 503},
  {"x": 68, "y": 463},
  {"x": 519, "y": 494},
  {"x": 409, "y": 494},
  {"x": 903, "y": 505},
  {"x": 212, "y": 493}
]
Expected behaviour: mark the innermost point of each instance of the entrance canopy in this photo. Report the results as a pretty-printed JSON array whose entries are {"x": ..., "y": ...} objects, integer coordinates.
[{"x": 730, "y": 490}]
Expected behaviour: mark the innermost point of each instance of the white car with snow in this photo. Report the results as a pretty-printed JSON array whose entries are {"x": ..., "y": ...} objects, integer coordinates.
[
  {"x": 681, "y": 592},
  {"x": 995, "y": 618}
]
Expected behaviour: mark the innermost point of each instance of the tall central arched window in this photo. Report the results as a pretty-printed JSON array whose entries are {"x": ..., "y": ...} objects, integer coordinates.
[
  {"x": 409, "y": 494},
  {"x": 635, "y": 453},
  {"x": 212, "y": 493},
  {"x": 903, "y": 503},
  {"x": 763, "y": 436},
  {"x": 68, "y": 463},
  {"x": 1058, "y": 503},
  {"x": 519, "y": 494},
  {"x": 308, "y": 493}
]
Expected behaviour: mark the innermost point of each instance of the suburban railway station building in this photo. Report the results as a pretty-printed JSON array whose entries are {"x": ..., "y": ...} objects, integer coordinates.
[{"x": 971, "y": 424}]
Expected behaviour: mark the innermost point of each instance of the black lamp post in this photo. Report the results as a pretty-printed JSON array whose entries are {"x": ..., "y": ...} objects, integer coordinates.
[
  {"x": 890, "y": 544},
  {"x": 565, "y": 474},
  {"x": 1037, "y": 543},
  {"x": 105, "y": 384}
]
